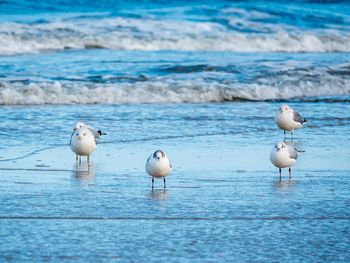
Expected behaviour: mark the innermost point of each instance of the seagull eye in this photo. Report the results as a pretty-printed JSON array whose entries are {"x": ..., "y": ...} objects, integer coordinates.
[
  {"x": 84, "y": 133},
  {"x": 77, "y": 134}
]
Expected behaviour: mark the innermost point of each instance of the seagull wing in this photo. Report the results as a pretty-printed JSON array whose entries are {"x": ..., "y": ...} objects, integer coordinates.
[
  {"x": 70, "y": 141},
  {"x": 149, "y": 158},
  {"x": 297, "y": 117},
  {"x": 93, "y": 130},
  {"x": 293, "y": 152}
]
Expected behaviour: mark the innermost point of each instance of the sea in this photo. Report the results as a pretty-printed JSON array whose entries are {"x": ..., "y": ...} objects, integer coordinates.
[
  {"x": 114, "y": 52},
  {"x": 201, "y": 80}
]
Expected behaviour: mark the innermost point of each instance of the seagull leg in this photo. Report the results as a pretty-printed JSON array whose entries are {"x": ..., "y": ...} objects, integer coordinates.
[
  {"x": 152, "y": 182},
  {"x": 76, "y": 158},
  {"x": 291, "y": 136},
  {"x": 79, "y": 159},
  {"x": 88, "y": 159},
  {"x": 290, "y": 172},
  {"x": 164, "y": 182},
  {"x": 284, "y": 135},
  {"x": 280, "y": 173}
]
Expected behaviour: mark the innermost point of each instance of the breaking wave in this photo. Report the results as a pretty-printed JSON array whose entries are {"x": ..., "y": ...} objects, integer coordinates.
[
  {"x": 171, "y": 91},
  {"x": 151, "y": 35}
]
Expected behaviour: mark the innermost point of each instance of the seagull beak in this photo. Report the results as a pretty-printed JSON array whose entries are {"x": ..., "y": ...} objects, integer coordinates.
[{"x": 158, "y": 158}]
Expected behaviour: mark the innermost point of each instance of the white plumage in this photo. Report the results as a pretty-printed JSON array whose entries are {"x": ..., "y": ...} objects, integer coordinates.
[
  {"x": 158, "y": 165},
  {"x": 83, "y": 142},
  {"x": 288, "y": 119},
  {"x": 284, "y": 155}
]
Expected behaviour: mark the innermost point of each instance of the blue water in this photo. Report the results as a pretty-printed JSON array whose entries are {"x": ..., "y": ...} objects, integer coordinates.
[
  {"x": 224, "y": 199},
  {"x": 58, "y": 52},
  {"x": 200, "y": 80}
]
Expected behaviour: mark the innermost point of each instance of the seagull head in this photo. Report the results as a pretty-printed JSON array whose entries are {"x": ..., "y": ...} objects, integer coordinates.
[
  {"x": 159, "y": 154},
  {"x": 79, "y": 125},
  {"x": 284, "y": 108},
  {"x": 281, "y": 145},
  {"x": 83, "y": 134}
]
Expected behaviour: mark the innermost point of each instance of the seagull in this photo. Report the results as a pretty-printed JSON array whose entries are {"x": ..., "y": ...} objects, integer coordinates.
[
  {"x": 83, "y": 143},
  {"x": 95, "y": 132},
  {"x": 288, "y": 119},
  {"x": 284, "y": 155},
  {"x": 158, "y": 165}
]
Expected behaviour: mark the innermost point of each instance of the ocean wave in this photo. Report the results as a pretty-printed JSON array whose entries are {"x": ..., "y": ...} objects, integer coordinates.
[
  {"x": 152, "y": 35},
  {"x": 170, "y": 91}
]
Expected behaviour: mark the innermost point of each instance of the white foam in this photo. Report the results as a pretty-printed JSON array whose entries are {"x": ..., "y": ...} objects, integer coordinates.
[
  {"x": 166, "y": 91},
  {"x": 148, "y": 34}
]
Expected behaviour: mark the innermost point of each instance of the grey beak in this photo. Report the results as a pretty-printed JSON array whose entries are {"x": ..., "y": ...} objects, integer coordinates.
[{"x": 158, "y": 158}]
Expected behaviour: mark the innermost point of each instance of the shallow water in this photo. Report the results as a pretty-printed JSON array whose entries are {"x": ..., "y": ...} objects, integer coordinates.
[
  {"x": 200, "y": 80},
  {"x": 224, "y": 198}
]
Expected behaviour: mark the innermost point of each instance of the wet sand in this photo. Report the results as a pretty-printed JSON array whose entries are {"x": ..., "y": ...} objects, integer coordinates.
[
  {"x": 224, "y": 200},
  {"x": 228, "y": 206}
]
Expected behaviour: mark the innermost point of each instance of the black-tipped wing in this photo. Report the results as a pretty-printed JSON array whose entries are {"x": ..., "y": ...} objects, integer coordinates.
[
  {"x": 293, "y": 152},
  {"x": 95, "y": 132},
  {"x": 297, "y": 117}
]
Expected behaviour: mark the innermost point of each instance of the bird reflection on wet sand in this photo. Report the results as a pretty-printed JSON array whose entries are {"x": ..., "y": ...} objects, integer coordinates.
[
  {"x": 84, "y": 171},
  {"x": 162, "y": 194},
  {"x": 282, "y": 185}
]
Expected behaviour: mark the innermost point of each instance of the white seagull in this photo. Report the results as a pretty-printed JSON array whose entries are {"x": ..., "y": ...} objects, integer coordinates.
[
  {"x": 83, "y": 143},
  {"x": 288, "y": 119},
  {"x": 97, "y": 133},
  {"x": 284, "y": 155},
  {"x": 158, "y": 165}
]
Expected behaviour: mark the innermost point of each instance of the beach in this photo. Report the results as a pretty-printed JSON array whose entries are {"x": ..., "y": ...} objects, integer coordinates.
[
  {"x": 224, "y": 199},
  {"x": 202, "y": 81}
]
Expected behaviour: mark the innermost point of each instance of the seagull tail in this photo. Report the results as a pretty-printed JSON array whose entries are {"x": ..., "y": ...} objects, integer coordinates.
[
  {"x": 299, "y": 151},
  {"x": 101, "y": 133}
]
